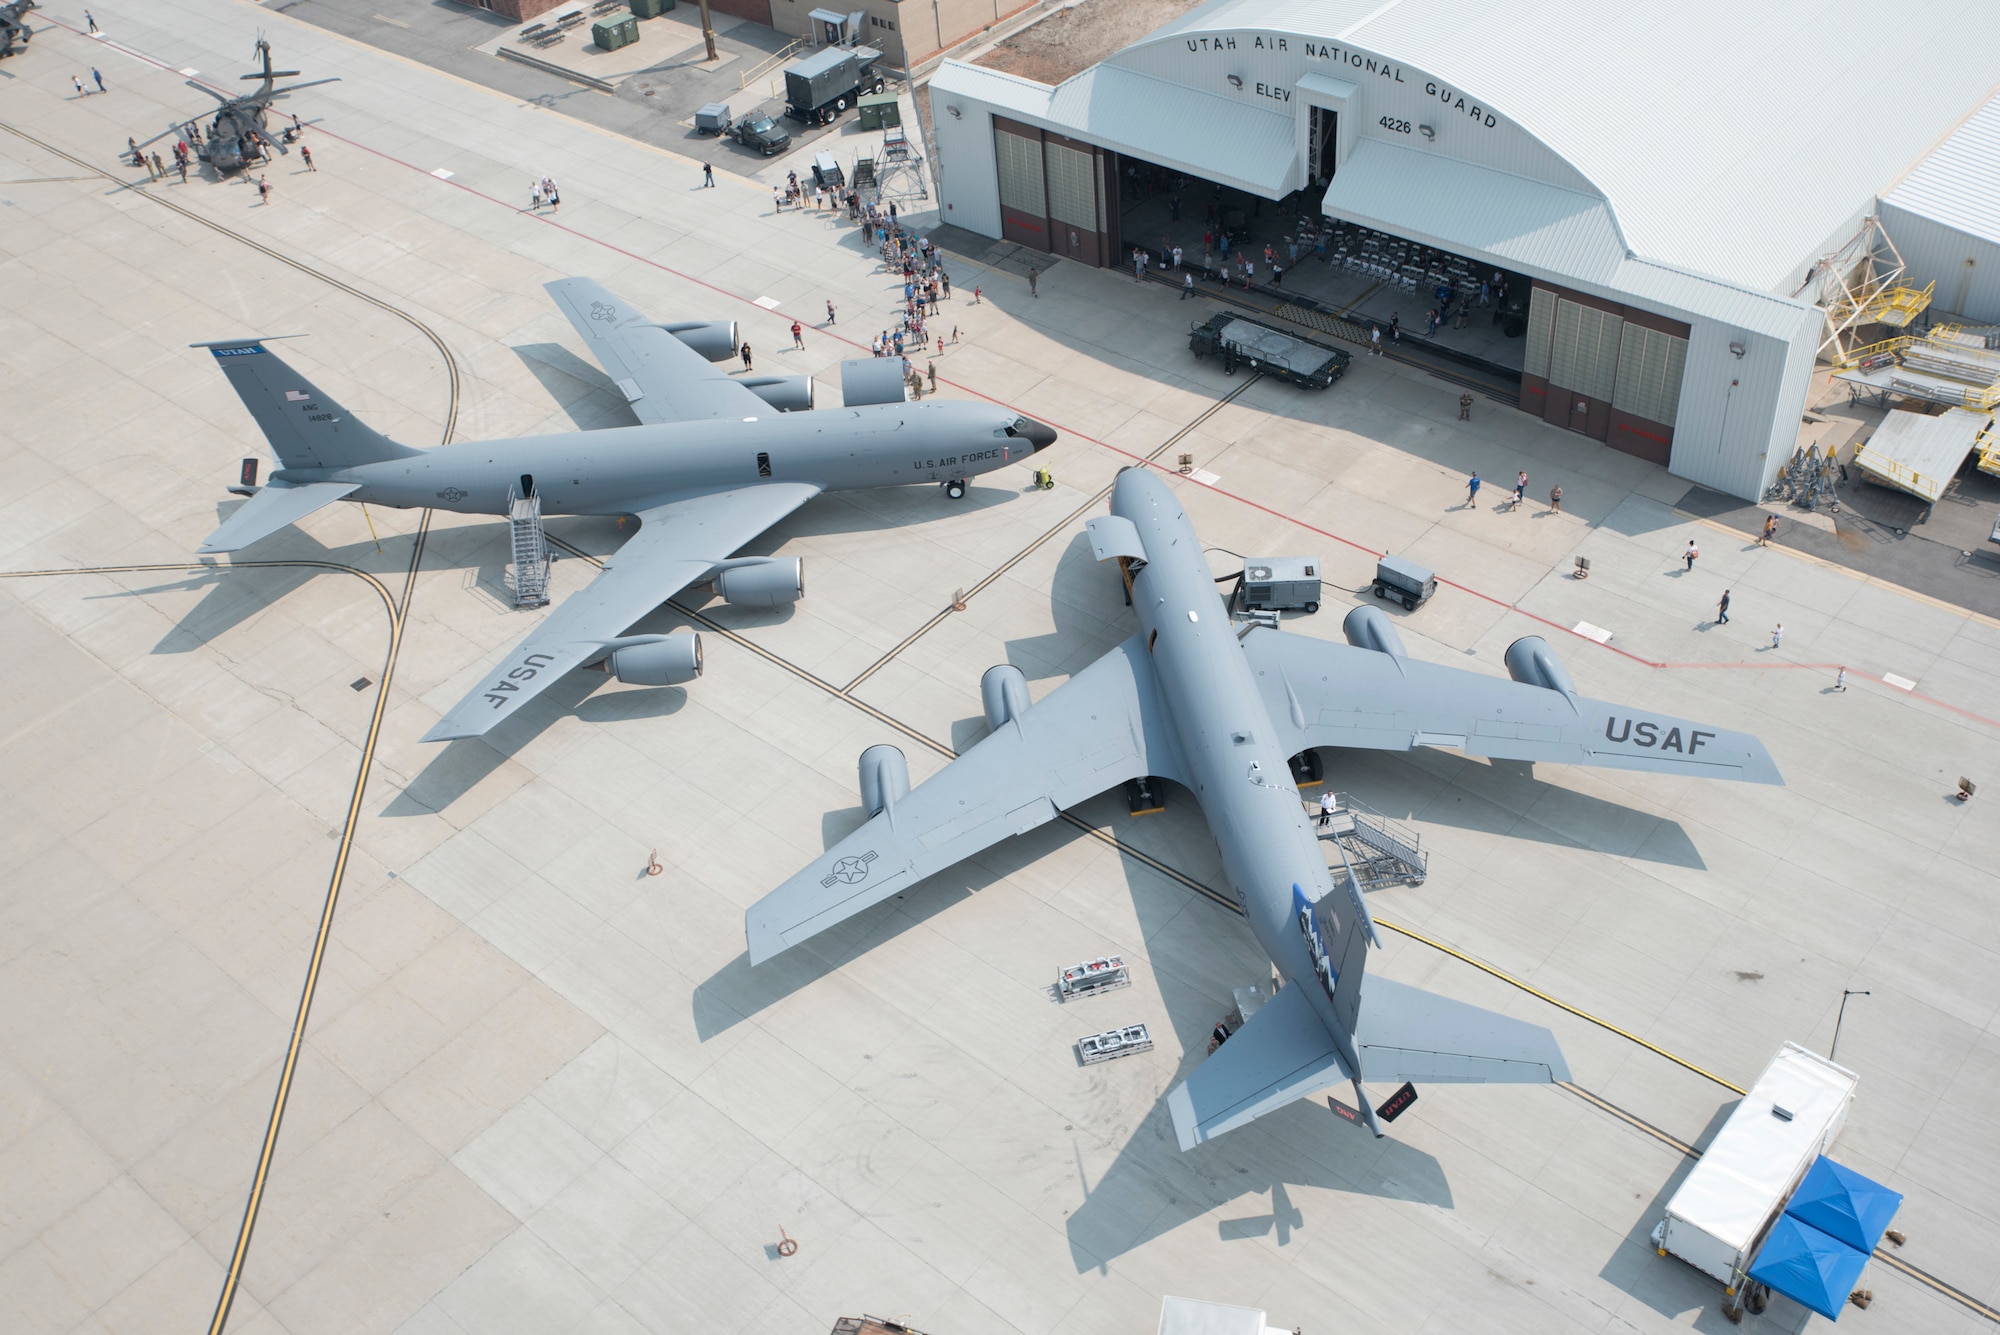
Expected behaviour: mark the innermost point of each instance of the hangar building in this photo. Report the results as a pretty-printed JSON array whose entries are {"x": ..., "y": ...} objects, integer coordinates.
[{"x": 1659, "y": 182}]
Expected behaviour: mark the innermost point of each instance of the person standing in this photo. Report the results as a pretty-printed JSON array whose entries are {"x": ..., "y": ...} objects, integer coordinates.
[
  {"x": 1138, "y": 264},
  {"x": 708, "y": 176},
  {"x": 1395, "y": 326},
  {"x": 1187, "y": 284},
  {"x": 1430, "y": 322},
  {"x": 1033, "y": 274},
  {"x": 944, "y": 281},
  {"x": 1249, "y": 273},
  {"x": 798, "y": 336},
  {"x": 1770, "y": 531},
  {"x": 535, "y": 197},
  {"x": 90, "y": 24},
  {"x": 1472, "y": 491},
  {"x": 1722, "y": 610},
  {"x": 307, "y": 154},
  {"x": 744, "y": 352},
  {"x": 1465, "y": 406},
  {"x": 550, "y": 193},
  {"x": 159, "y": 166},
  {"x": 95, "y": 74},
  {"x": 1329, "y": 802},
  {"x": 264, "y": 190},
  {"x": 1556, "y": 499},
  {"x": 1177, "y": 257},
  {"x": 932, "y": 371},
  {"x": 1375, "y": 340},
  {"x": 1277, "y": 274},
  {"x": 1777, "y": 635},
  {"x": 1520, "y": 488},
  {"x": 79, "y": 86},
  {"x": 1691, "y": 554},
  {"x": 181, "y": 161},
  {"x": 829, "y": 312}
]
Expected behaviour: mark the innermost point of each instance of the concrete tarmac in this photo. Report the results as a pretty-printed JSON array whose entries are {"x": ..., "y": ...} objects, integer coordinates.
[{"x": 538, "y": 1089}]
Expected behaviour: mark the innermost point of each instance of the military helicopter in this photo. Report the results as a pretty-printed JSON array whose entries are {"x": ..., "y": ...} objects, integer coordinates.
[
  {"x": 14, "y": 29},
  {"x": 237, "y": 137}
]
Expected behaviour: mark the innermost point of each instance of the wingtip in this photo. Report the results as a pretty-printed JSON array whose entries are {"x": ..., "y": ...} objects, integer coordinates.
[{"x": 1187, "y": 1130}]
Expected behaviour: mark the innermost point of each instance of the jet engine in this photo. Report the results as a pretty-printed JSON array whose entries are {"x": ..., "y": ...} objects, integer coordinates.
[
  {"x": 1531, "y": 661},
  {"x": 1368, "y": 628},
  {"x": 885, "y": 778},
  {"x": 772, "y": 583},
  {"x": 786, "y": 393},
  {"x": 668, "y": 661},
  {"x": 1004, "y": 692},
  {"x": 713, "y": 339},
  {"x": 867, "y": 380}
]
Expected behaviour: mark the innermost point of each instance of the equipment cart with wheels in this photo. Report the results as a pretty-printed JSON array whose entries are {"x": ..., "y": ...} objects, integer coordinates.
[
  {"x": 1238, "y": 340},
  {"x": 1404, "y": 582}
]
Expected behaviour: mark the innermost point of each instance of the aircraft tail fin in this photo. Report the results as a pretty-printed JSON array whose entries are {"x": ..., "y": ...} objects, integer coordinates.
[
  {"x": 1281, "y": 1054},
  {"x": 276, "y": 506},
  {"x": 305, "y": 427},
  {"x": 1407, "y": 1033}
]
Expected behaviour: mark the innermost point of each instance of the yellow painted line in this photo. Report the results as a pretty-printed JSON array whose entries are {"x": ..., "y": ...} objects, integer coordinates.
[{"x": 398, "y": 616}]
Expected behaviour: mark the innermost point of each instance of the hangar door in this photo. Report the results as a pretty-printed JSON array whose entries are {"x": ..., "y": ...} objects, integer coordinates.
[
  {"x": 1610, "y": 372},
  {"x": 1051, "y": 192}
]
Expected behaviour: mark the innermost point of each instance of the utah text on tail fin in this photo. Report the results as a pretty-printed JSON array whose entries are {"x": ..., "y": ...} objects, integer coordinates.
[{"x": 305, "y": 427}]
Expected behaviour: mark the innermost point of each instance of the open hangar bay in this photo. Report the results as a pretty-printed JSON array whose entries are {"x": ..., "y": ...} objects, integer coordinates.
[{"x": 540, "y": 1090}]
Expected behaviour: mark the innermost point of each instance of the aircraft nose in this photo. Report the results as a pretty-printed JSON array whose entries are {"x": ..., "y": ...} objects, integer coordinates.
[{"x": 1038, "y": 434}]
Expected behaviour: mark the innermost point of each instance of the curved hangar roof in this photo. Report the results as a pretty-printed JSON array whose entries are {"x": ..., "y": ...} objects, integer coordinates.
[{"x": 1717, "y": 130}]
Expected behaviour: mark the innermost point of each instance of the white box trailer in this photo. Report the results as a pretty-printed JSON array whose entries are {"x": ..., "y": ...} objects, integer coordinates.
[{"x": 1739, "y": 1186}]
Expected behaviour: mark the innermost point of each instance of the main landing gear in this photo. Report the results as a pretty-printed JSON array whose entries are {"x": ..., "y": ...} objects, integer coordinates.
[{"x": 955, "y": 488}]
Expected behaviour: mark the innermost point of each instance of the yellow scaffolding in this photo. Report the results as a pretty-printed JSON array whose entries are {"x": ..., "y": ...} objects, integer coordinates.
[{"x": 1989, "y": 452}]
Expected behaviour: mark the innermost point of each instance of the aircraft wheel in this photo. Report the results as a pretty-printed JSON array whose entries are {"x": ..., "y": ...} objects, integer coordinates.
[{"x": 955, "y": 489}]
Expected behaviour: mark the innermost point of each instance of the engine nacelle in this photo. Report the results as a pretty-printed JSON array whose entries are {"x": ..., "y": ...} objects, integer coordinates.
[
  {"x": 885, "y": 778},
  {"x": 1004, "y": 692},
  {"x": 786, "y": 393},
  {"x": 1531, "y": 662},
  {"x": 670, "y": 661},
  {"x": 867, "y": 380},
  {"x": 713, "y": 339},
  {"x": 772, "y": 583},
  {"x": 1367, "y": 628}
]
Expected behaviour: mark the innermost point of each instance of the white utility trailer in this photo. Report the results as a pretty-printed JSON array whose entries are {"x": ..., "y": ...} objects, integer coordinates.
[{"x": 1739, "y": 1186}]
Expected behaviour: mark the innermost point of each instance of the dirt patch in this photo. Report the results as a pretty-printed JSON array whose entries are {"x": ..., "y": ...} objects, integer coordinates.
[{"x": 1071, "y": 40}]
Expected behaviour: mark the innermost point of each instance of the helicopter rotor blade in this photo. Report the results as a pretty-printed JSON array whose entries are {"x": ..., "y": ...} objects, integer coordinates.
[
  {"x": 211, "y": 92},
  {"x": 310, "y": 83}
]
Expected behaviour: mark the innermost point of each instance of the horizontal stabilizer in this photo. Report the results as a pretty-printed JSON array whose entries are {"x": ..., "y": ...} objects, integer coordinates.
[
  {"x": 1407, "y": 1033},
  {"x": 279, "y": 505},
  {"x": 1280, "y": 1055}
]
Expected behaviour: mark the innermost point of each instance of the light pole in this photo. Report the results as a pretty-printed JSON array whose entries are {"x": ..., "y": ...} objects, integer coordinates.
[{"x": 1844, "y": 995}]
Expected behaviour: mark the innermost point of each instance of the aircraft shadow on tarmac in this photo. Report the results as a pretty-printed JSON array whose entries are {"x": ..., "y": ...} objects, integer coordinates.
[{"x": 582, "y": 390}]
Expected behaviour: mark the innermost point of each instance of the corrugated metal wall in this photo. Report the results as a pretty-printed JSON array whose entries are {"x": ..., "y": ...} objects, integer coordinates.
[
  {"x": 1966, "y": 268},
  {"x": 1733, "y": 437},
  {"x": 968, "y": 176}
]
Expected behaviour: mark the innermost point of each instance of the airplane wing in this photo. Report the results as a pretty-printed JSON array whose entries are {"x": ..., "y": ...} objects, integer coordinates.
[
  {"x": 1095, "y": 731},
  {"x": 1339, "y": 695},
  {"x": 679, "y": 541},
  {"x": 663, "y": 378},
  {"x": 1407, "y": 1033}
]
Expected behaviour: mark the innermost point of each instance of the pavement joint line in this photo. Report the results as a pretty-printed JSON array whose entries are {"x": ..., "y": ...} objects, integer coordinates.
[
  {"x": 397, "y": 616},
  {"x": 552, "y": 221},
  {"x": 1089, "y": 503},
  {"x": 1882, "y": 1254},
  {"x": 398, "y": 613}
]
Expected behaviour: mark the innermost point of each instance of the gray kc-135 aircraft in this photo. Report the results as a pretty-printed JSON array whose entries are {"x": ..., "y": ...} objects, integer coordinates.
[
  {"x": 716, "y": 461},
  {"x": 1220, "y": 709}
]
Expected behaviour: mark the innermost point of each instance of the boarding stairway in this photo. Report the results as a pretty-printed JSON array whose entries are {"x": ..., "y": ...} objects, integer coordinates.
[
  {"x": 1382, "y": 852},
  {"x": 531, "y": 550}
]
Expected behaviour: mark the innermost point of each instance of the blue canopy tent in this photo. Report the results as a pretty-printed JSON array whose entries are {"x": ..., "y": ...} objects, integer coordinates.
[
  {"x": 1817, "y": 1250},
  {"x": 1837, "y": 1200},
  {"x": 1812, "y": 1268}
]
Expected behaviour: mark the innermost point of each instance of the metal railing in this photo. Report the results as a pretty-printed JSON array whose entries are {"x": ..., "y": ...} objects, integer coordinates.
[{"x": 772, "y": 62}]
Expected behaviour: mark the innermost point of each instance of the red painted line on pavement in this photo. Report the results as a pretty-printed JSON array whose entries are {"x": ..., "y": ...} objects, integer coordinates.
[{"x": 319, "y": 127}]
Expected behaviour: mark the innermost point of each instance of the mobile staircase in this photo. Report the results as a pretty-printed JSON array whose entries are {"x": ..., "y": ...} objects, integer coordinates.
[
  {"x": 531, "y": 549},
  {"x": 1381, "y": 851}
]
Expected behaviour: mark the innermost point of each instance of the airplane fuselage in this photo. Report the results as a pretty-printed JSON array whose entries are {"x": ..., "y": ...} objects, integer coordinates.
[
  {"x": 615, "y": 470},
  {"x": 1240, "y": 771}
]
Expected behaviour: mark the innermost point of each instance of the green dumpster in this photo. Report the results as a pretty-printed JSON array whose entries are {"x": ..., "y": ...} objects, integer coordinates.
[
  {"x": 650, "y": 9},
  {"x": 878, "y": 111},
  {"x": 614, "y": 33}
]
